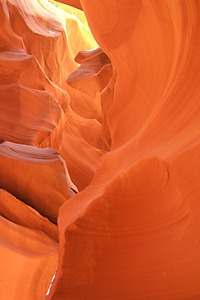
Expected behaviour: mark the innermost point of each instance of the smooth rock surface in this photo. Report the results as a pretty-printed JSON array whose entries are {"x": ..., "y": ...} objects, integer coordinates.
[{"x": 99, "y": 150}]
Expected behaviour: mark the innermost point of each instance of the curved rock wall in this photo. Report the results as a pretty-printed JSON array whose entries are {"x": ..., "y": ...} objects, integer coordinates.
[{"x": 99, "y": 150}]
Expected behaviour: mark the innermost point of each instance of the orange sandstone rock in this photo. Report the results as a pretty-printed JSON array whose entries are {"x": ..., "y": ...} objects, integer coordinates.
[
  {"x": 37, "y": 176},
  {"x": 74, "y": 3},
  {"x": 28, "y": 260},
  {"x": 18, "y": 212},
  {"x": 103, "y": 140},
  {"x": 135, "y": 227},
  {"x": 94, "y": 73}
]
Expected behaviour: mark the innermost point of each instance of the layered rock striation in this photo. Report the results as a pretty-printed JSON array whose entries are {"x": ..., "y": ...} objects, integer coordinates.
[{"x": 99, "y": 152}]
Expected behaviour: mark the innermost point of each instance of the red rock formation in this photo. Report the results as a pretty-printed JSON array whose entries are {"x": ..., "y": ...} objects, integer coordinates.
[
  {"x": 122, "y": 121},
  {"x": 74, "y": 3}
]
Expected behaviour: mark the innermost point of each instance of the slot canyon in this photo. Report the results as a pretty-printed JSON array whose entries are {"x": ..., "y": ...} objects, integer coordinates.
[{"x": 100, "y": 150}]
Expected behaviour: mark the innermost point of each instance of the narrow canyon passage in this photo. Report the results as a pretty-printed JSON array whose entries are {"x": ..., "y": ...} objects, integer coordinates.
[{"x": 99, "y": 150}]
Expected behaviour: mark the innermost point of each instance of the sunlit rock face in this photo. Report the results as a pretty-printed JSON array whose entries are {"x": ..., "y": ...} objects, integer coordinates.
[{"x": 99, "y": 150}]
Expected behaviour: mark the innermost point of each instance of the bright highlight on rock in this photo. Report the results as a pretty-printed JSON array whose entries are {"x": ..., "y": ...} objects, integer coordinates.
[{"x": 99, "y": 150}]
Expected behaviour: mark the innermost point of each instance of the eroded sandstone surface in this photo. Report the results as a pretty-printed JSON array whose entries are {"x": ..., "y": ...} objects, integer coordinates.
[{"x": 99, "y": 150}]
